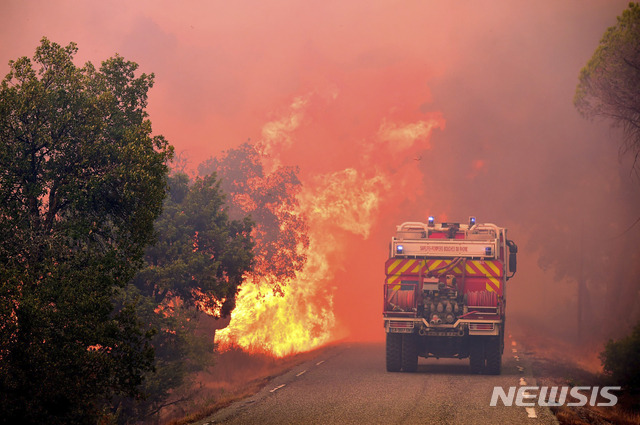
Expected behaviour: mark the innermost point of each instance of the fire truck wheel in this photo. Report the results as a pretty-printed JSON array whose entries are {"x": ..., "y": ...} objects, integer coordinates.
[
  {"x": 409, "y": 353},
  {"x": 494, "y": 357},
  {"x": 476, "y": 356},
  {"x": 394, "y": 352}
]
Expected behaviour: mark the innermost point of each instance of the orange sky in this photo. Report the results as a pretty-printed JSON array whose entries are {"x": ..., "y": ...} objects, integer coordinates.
[
  {"x": 223, "y": 68},
  {"x": 498, "y": 75}
]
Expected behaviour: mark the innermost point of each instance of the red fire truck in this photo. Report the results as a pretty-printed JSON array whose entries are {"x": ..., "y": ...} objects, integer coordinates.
[{"x": 445, "y": 294}]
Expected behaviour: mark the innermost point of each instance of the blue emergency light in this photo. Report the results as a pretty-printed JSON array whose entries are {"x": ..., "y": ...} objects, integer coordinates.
[
  {"x": 472, "y": 221},
  {"x": 432, "y": 221},
  {"x": 399, "y": 249}
]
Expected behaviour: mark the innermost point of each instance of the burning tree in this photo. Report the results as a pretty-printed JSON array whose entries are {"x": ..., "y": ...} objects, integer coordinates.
[
  {"x": 270, "y": 199},
  {"x": 284, "y": 308},
  {"x": 303, "y": 228},
  {"x": 81, "y": 182}
]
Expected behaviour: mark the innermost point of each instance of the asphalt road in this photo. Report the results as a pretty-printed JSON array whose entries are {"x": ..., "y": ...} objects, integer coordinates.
[{"x": 348, "y": 384}]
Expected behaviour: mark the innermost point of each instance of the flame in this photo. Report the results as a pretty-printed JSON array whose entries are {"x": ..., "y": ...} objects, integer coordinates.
[
  {"x": 339, "y": 205},
  {"x": 303, "y": 318},
  {"x": 345, "y": 199},
  {"x": 299, "y": 320},
  {"x": 403, "y": 136}
]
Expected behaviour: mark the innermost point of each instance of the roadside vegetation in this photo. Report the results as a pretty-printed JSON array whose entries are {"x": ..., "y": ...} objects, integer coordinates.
[
  {"x": 556, "y": 363},
  {"x": 115, "y": 270},
  {"x": 107, "y": 260}
]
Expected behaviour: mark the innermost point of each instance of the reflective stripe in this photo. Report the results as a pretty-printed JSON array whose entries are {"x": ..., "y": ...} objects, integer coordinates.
[{"x": 473, "y": 268}]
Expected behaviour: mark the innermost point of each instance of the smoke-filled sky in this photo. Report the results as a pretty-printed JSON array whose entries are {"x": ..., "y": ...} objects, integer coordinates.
[{"x": 458, "y": 108}]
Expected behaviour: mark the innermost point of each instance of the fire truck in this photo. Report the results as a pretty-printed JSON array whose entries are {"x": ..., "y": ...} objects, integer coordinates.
[{"x": 445, "y": 294}]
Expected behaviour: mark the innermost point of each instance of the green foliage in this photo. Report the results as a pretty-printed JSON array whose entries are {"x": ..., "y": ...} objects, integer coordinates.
[
  {"x": 180, "y": 353},
  {"x": 621, "y": 361},
  {"x": 81, "y": 182},
  {"x": 280, "y": 234},
  {"x": 609, "y": 85},
  {"x": 200, "y": 256},
  {"x": 198, "y": 262}
]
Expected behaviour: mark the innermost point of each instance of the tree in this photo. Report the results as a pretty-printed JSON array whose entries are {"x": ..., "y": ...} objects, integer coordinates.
[
  {"x": 280, "y": 233},
  {"x": 198, "y": 262},
  {"x": 82, "y": 180},
  {"x": 180, "y": 352},
  {"x": 609, "y": 85},
  {"x": 200, "y": 256}
]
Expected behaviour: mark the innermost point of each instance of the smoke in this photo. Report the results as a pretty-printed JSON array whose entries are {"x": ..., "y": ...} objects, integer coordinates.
[{"x": 357, "y": 95}]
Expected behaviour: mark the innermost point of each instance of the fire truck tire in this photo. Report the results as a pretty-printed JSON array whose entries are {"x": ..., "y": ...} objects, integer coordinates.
[
  {"x": 494, "y": 357},
  {"x": 409, "y": 353},
  {"x": 394, "y": 352},
  {"x": 476, "y": 357}
]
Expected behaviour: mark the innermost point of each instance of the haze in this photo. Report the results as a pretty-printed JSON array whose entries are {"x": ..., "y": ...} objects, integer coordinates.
[{"x": 446, "y": 108}]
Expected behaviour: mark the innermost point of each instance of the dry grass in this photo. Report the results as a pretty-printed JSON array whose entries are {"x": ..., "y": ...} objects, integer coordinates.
[
  {"x": 560, "y": 363},
  {"x": 235, "y": 376},
  {"x": 589, "y": 415}
]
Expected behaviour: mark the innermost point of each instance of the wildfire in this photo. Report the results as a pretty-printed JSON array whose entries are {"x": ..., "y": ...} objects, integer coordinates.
[
  {"x": 337, "y": 204},
  {"x": 303, "y": 318},
  {"x": 345, "y": 199},
  {"x": 299, "y": 320}
]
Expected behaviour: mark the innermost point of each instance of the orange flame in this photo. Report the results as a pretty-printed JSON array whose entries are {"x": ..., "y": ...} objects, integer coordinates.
[{"x": 338, "y": 204}]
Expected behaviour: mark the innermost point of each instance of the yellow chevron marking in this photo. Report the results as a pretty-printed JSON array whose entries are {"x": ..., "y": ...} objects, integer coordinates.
[
  {"x": 393, "y": 278},
  {"x": 457, "y": 270},
  {"x": 469, "y": 268},
  {"x": 406, "y": 266},
  {"x": 397, "y": 287},
  {"x": 435, "y": 264},
  {"x": 495, "y": 281},
  {"x": 393, "y": 266},
  {"x": 483, "y": 270},
  {"x": 493, "y": 267}
]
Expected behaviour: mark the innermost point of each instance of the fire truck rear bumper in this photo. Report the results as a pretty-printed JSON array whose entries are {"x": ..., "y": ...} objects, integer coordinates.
[{"x": 462, "y": 327}]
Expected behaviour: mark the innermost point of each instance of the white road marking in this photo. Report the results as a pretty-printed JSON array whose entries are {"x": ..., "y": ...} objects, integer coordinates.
[
  {"x": 277, "y": 388},
  {"x": 517, "y": 358},
  {"x": 531, "y": 412},
  {"x": 302, "y": 373},
  {"x": 523, "y": 382},
  {"x": 513, "y": 350},
  {"x": 520, "y": 368},
  {"x": 320, "y": 362}
]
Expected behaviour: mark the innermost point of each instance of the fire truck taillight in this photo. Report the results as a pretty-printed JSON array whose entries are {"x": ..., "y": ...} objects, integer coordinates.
[{"x": 481, "y": 326}]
